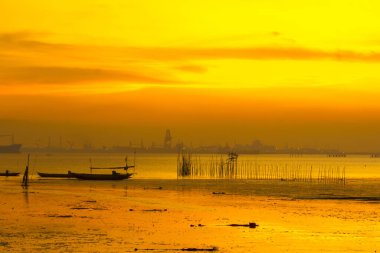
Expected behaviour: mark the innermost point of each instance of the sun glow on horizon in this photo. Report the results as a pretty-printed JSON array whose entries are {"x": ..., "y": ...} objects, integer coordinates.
[{"x": 260, "y": 62}]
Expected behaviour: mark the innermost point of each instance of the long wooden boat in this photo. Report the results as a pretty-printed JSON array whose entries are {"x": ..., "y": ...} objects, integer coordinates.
[
  {"x": 9, "y": 174},
  {"x": 57, "y": 175},
  {"x": 113, "y": 176}
]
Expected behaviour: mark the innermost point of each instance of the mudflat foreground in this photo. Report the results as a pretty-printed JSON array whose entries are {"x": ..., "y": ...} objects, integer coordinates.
[{"x": 54, "y": 216}]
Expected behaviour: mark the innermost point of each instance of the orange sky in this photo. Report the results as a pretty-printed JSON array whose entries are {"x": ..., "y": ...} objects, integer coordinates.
[{"x": 287, "y": 72}]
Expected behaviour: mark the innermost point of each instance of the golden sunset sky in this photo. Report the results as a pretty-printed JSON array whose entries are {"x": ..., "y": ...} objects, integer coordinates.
[{"x": 297, "y": 73}]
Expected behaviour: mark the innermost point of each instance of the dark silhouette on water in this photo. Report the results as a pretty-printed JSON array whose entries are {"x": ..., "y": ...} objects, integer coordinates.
[
  {"x": 113, "y": 176},
  {"x": 221, "y": 167},
  {"x": 25, "y": 178},
  {"x": 57, "y": 175},
  {"x": 9, "y": 174}
]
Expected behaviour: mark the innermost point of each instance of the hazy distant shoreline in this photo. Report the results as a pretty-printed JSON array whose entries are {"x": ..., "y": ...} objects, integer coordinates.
[{"x": 139, "y": 151}]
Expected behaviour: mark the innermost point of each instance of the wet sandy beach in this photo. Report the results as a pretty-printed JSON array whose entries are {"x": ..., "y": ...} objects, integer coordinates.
[{"x": 66, "y": 216}]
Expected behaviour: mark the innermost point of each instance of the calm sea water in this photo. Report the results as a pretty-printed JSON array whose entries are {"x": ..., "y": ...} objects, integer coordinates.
[
  {"x": 164, "y": 166},
  {"x": 157, "y": 171}
]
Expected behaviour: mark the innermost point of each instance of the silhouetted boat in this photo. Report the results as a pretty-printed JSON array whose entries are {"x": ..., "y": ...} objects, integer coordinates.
[
  {"x": 9, "y": 174},
  {"x": 57, "y": 175},
  {"x": 113, "y": 176}
]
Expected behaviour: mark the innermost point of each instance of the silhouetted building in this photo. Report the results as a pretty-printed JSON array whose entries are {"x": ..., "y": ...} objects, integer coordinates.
[{"x": 168, "y": 140}]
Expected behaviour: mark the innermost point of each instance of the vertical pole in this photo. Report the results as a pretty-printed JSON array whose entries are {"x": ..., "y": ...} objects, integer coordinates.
[{"x": 25, "y": 177}]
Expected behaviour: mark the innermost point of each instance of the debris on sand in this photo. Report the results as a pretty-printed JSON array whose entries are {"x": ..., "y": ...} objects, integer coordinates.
[
  {"x": 149, "y": 210},
  {"x": 90, "y": 201},
  {"x": 60, "y": 216},
  {"x": 250, "y": 225},
  {"x": 80, "y": 208},
  {"x": 183, "y": 249},
  {"x": 153, "y": 188},
  {"x": 155, "y": 210},
  {"x": 198, "y": 249},
  {"x": 199, "y": 225}
]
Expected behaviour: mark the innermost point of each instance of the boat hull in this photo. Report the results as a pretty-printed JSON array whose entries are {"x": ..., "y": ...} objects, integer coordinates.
[
  {"x": 10, "y": 174},
  {"x": 56, "y": 175},
  {"x": 115, "y": 176}
]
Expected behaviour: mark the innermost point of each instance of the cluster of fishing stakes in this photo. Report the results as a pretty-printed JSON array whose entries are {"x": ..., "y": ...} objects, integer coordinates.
[{"x": 228, "y": 167}]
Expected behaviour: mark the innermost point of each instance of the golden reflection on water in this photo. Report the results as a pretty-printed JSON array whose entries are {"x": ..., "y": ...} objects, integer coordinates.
[
  {"x": 83, "y": 217},
  {"x": 26, "y": 195}
]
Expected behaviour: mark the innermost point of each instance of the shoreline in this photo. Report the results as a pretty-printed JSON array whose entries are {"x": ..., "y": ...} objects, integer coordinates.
[{"x": 355, "y": 189}]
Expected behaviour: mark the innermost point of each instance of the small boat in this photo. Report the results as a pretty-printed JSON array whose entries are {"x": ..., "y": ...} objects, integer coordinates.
[
  {"x": 57, "y": 175},
  {"x": 9, "y": 174},
  {"x": 113, "y": 176}
]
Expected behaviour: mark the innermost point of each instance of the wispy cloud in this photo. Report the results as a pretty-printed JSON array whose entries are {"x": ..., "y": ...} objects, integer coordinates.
[
  {"x": 26, "y": 59},
  {"x": 66, "y": 75},
  {"x": 252, "y": 53},
  {"x": 15, "y": 37},
  {"x": 192, "y": 68},
  {"x": 26, "y": 40}
]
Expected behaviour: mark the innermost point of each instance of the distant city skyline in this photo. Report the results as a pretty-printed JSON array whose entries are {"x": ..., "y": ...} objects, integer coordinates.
[
  {"x": 156, "y": 140},
  {"x": 169, "y": 144}
]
